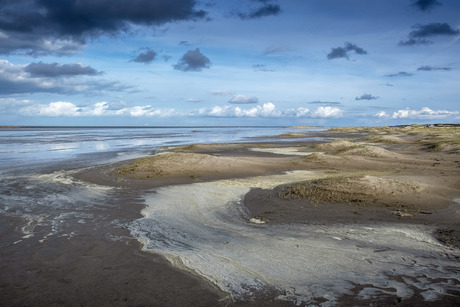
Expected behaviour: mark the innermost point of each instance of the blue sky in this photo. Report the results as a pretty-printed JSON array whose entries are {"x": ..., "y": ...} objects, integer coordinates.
[{"x": 239, "y": 62}]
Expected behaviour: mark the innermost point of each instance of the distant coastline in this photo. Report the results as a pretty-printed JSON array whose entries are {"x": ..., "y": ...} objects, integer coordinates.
[
  {"x": 137, "y": 127},
  {"x": 217, "y": 127}
]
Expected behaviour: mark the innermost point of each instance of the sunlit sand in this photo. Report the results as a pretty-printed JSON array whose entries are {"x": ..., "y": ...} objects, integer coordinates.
[{"x": 208, "y": 226}]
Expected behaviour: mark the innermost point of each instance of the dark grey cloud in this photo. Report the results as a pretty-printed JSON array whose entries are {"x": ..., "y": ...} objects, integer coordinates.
[
  {"x": 30, "y": 25},
  {"x": 267, "y": 9},
  {"x": 51, "y": 78},
  {"x": 35, "y": 45},
  {"x": 415, "y": 41},
  {"x": 432, "y": 68},
  {"x": 145, "y": 57},
  {"x": 366, "y": 97},
  {"x": 193, "y": 60},
  {"x": 343, "y": 52},
  {"x": 400, "y": 74},
  {"x": 53, "y": 70},
  {"x": 433, "y": 29},
  {"x": 426, "y": 5},
  {"x": 420, "y": 33}
]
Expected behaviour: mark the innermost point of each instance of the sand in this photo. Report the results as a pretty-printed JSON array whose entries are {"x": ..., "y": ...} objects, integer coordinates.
[{"x": 377, "y": 178}]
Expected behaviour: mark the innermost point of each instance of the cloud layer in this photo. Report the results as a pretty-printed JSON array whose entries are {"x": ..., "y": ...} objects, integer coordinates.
[
  {"x": 267, "y": 9},
  {"x": 424, "y": 113},
  {"x": 426, "y": 5},
  {"x": 63, "y": 108},
  {"x": 266, "y": 110},
  {"x": 432, "y": 68},
  {"x": 420, "y": 33},
  {"x": 59, "y": 70},
  {"x": 52, "y": 78},
  {"x": 48, "y": 26}
]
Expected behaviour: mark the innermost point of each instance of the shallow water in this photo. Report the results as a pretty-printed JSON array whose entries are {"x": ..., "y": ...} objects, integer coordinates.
[{"x": 30, "y": 147}]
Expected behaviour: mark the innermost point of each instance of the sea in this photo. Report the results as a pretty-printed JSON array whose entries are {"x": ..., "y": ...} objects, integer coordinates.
[
  {"x": 41, "y": 149},
  {"x": 202, "y": 228}
]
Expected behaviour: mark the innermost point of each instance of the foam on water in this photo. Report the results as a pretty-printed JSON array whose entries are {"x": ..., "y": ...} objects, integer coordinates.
[
  {"x": 204, "y": 228},
  {"x": 48, "y": 204}
]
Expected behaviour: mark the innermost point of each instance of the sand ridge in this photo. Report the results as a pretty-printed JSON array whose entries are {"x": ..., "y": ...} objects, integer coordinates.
[
  {"x": 370, "y": 186},
  {"x": 396, "y": 171},
  {"x": 198, "y": 166}
]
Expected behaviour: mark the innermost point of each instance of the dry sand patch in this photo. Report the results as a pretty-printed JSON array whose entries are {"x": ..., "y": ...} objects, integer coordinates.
[
  {"x": 403, "y": 196},
  {"x": 199, "y": 166},
  {"x": 335, "y": 145},
  {"x": 291, "y": 135},
  {"x": 386, "y": 139}
]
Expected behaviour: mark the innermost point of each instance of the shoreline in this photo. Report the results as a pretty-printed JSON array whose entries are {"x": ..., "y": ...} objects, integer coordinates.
[
  {"x": 417, "y": 173},
  {"x": 417, "y": 176}
]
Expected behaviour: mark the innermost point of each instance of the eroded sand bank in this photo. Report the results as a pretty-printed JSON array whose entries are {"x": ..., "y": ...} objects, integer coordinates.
[{"x": 372, "y": 216}]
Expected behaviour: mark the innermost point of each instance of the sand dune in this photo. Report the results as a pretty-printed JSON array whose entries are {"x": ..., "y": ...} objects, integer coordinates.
[{"x": 354, "y": 221}]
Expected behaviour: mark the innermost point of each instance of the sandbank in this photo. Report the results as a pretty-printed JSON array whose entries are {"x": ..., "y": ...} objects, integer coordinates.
[{"x": 378, "y": 176}]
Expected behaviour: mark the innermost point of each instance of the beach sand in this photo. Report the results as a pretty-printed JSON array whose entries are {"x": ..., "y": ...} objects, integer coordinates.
[{"x": 402, "y": 175}]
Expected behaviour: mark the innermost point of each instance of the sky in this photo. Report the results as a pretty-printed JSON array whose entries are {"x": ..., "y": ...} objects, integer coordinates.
[{"x": 238, "y": 62}]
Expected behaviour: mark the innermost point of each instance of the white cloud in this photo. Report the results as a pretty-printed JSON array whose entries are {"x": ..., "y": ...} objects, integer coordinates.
[
  {"x": 424, "y": 113},
  {"x": 298, "y": 112},
  {"x": 320, "y": 112},
  {"x": 325, "y": 112},
  {"x": 382, "y": 114},
  {"x": 145, "y": 111},
  {"x": 241, "y": 99},
  {"x": 62, "y": 108},
  {"x": 9, "y": 104},
  {"x": 266, "y": 110},
  {"x": 58, "y": 108},
  {"x": 269, "y": 110}
]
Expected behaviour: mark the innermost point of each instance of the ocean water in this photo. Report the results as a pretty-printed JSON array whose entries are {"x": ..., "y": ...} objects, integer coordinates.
[
  {"x": 42, "y": 148},
  {"x": 204, "y": 228}
]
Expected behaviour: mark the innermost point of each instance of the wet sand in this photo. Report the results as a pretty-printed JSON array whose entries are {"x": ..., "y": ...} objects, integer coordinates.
[
  {"x": 101, "y": 265},
  {"x": 365, "y": 175}
]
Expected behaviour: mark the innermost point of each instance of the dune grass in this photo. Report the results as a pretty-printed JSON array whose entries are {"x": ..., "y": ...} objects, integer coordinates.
[{"x": 356, "y": 190}]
